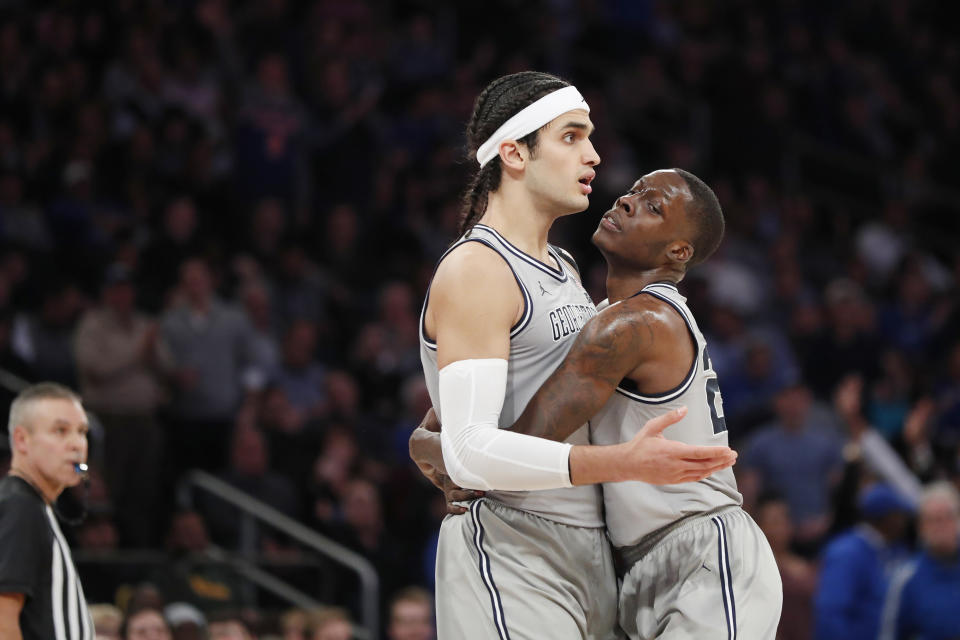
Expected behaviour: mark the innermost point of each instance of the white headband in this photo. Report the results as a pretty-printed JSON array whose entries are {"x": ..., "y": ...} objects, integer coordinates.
[{"x": 531, "y": 118}]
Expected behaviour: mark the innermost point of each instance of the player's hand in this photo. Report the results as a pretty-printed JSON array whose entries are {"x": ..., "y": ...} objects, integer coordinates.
[
  {"x": 426, "y": 451},
  {"x": 654, "y": 459},
  {"x": 455, "y": 494}
]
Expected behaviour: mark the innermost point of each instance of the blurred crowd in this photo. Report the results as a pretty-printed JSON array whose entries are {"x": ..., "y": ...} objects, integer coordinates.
[{"x": 218, "y": 219}]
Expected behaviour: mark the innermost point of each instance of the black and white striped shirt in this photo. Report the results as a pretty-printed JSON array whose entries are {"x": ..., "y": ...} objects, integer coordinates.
[{"x": 36, "y": 562}]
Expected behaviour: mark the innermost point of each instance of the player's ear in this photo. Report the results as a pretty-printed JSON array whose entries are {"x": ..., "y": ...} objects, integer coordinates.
[
  {"x": 680, "y": 251},
  {"x": 513, "y": 155}
]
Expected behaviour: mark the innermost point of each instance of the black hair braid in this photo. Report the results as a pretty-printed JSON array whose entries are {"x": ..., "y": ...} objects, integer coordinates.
[
  {"x": 478, "y": 191},
  {"x": 499, "y": 101}
]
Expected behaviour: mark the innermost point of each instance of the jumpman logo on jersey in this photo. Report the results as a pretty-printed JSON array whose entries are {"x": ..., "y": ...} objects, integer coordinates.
[{"x": 543, "y": 291}]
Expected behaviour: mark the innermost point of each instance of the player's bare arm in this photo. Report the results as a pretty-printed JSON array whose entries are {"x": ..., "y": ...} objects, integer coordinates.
[
  {"x": 633, "y": 339},
  {"x": 424, "y": 444},
  {"x": 608, "y": 349},
  {"x": 474, "y": 300},
  {"x": 10, "y": 606},
  {"x": 645, "y": 341}
]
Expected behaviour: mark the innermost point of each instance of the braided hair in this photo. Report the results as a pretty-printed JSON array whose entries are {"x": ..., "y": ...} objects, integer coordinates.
[{"x": 497, "y": 103}]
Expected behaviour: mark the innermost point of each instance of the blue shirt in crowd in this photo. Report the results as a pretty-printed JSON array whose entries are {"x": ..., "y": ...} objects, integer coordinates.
[
  {"x": 924, "y": 602},
  {"x": 854, "y": 575}
]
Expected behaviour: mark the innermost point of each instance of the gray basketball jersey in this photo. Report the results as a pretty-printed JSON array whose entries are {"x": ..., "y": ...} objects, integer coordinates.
[
  {"x": 556, "y": 307},
  {"x": 635, "y": 509}
]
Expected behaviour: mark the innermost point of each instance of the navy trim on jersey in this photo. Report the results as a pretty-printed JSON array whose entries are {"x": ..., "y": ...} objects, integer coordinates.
[
  {"x": 726, "y": 582},
  {"x": 486, "y": 574},
  {"x": 520, "y": 324},
  {"x": 629, "y": 388},
  {"x": 559, "y": 273},
  {"x": 670, "y": 286},
  {"x": 563, "y": 253}
]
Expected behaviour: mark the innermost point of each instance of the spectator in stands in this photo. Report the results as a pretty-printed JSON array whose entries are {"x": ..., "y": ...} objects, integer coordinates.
[
  {"x": 228, "y": 625},
  {"x": 331, "y": 474},
  {"x": 857, "y": 567},
  {"x": 143, "y": 595},
  {"x": 107, "y": 621},
  {"x": 748, "y": 392},
  {"x": 177, "y": 240},
  {"x": 848, "y": 344},
  {"x": 907, "y": 321},
  {"x": 196, "y": 573},
  {"x": 264, "y": 348},
  {"x": 867, "y": 446},
  {"x": 266, "y": 231},
  {"x": 121, "y": 363},
  {"x": 797, "y": 456},
  {"x": 922, "y": 602},
  {"x": 411, "y": 615},
  {"x": 290, "y": 436},
  {"x": 186, "y": 621},
  {"x": 347, "y": 408},
  {"x": 330, "y": 623},
  {"x": 294, "y": 624},
  {"x": 301, "y": 290},
  {"x": 272, "y": 131},
  {"x": 300, "y": 376},
  {"x": 364, "y": 530},
  {"x": 799, "y": 576},
  {"x": 146, "y": 624},
  {"x": 44, "y": 340},
  {"x": 210, "y": 344},
  {"x": 250, "y": 472},
  {"x": 387, "y": 350}
]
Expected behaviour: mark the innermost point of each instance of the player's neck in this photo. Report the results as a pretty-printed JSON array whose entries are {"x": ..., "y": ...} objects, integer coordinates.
[
  {"x": 47, "y": 490},
  {"x": 518, "y": 220},
  {"x": 622, "y": 283}
]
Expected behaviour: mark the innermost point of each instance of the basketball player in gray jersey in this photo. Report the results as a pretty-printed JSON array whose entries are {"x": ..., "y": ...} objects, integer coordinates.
[
  {"x": 694, "y": 565},
  {"x": 502, "y": 311}
]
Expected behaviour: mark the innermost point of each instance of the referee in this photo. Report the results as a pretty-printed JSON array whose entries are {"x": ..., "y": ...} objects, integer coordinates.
[{"x": 40, "y": 593}]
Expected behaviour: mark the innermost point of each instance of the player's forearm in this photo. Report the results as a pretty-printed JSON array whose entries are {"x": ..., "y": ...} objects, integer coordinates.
[
  {"x": 598, "y": 464},
  {"x": 426, "y": 450},
  {"x": 479, "y": 455},
  {"x": 493, "y": 459},
  {"x": 557, "y": 410}
]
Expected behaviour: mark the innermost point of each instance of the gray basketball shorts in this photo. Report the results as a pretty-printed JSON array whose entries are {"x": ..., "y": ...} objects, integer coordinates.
[
  {"x": 714, "y": 576},
  {"x": 508, "y": 574}
]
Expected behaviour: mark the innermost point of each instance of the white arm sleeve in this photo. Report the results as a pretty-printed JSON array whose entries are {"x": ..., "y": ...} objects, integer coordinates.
[{"x": 476, "y": 452}]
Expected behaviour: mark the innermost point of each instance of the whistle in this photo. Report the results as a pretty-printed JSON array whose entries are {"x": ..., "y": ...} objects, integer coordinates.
[{"x": 81, "y": 467}]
